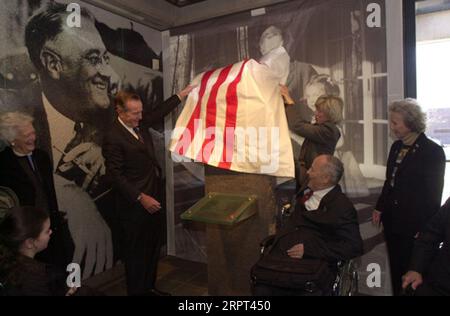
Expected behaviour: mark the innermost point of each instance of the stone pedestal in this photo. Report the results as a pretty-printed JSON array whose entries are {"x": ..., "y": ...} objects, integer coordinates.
[{"x": 233, "y": 250}]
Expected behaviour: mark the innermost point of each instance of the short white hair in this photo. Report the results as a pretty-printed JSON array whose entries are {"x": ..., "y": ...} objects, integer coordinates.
[
  {"x": 333, "y": 168},
  {"x": 413, "y": 116},
  {"x": 10, "y": 122}
]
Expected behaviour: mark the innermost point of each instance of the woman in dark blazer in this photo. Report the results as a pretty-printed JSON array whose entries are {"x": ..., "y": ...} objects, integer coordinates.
[
  {"x": 28, "y": 172},
  {"x": 412, "y": 191},
  {"x": 321, "y": 137}
]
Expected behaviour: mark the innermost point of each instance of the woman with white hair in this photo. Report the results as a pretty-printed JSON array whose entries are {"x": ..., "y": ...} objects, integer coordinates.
[
  {"x": 412, "y": 191},
  {"x": 28, "y": 172}
]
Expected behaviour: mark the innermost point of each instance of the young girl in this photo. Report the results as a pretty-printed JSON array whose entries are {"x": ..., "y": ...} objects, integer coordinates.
[{"x": 24, "y": 232}]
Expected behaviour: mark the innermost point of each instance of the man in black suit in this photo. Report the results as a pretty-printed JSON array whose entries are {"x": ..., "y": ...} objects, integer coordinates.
[
  {"x": 429, "y": 273},
  {"x": 27, "y": 171},
  {"x": 327, "y": 218},
  {"x": 324, "y": 224},
  {"x": 132, "y": 166}
]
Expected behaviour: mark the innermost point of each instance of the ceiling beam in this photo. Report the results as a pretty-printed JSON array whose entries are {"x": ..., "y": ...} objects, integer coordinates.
[{"x": 161, "y": 15}]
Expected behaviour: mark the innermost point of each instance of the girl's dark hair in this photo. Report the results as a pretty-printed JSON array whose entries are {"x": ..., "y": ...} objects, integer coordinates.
[{"x": 19, "y": 224}]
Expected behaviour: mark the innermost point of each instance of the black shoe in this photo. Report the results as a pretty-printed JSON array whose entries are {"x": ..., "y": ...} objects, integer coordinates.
[{"x": 157, "y": 292}]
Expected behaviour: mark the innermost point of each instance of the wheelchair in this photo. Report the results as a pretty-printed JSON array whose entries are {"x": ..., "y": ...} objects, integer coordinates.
[{"x": 344, "y": 284}]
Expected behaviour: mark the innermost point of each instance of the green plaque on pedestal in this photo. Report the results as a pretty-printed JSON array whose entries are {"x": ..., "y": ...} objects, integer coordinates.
[{"x": 221, "y": 208}]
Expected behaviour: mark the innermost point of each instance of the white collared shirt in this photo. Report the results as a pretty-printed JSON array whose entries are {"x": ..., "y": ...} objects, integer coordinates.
[
  {"x": 128, "y": 129},
  {"x": 29, "y": 157},
  {"x": 20, "y": 154},
  {"x": 61, "y": 130},
  {"x": 313, "y": 202}
]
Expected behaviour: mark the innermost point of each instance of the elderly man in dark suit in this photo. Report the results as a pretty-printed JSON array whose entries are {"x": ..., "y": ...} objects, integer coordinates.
[
  {"x": 324, "y": 224},
  {"x": 131, "y": 164}
]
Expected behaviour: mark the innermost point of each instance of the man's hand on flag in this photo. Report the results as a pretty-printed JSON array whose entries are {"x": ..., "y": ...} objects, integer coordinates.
[{"x": 183, "y": 93}]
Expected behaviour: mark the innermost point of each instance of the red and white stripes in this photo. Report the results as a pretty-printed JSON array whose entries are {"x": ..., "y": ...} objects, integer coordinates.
[{"x": 234, "y": 119}]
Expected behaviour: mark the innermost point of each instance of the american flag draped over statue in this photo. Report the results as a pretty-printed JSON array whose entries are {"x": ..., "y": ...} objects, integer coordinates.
[{"x": 234, "y": 119}]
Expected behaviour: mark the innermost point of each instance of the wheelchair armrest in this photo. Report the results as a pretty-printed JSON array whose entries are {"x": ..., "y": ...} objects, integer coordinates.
[
  {"x": 408, "y": 291},
  {"x": 346, "y": 282},
  {"x": 266, "y": 242}
]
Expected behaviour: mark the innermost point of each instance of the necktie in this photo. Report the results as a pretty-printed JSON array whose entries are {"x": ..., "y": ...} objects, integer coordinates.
[
  {"x": 138, "y": 133},
  {"x": 30, "y": 161},
  {"x": 306, "y": 196}
]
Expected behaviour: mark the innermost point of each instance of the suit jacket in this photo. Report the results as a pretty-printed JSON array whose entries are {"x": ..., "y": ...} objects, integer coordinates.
[
  {"x": 319, "y": 139},
  {"x": 12, "y": 175},
  {"x": 130, "y": 164},
  {"x": 428, "y": 258},
  {"x": 331, "y": 232},
  {"x": 416, "y": 196}
]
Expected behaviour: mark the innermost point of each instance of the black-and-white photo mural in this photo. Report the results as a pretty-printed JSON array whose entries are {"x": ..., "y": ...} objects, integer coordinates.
[
  {"x": 315, "y": 47},
  {"x": 63, "y": 67}
]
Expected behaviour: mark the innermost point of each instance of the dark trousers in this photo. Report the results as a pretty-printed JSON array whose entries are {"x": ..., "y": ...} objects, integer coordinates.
[
  {"x": 142, "y": 241},
  {"x": 400, "y": 250},
  {"x": 430, "y": 289},
  {"x": 267, "y": 290}
]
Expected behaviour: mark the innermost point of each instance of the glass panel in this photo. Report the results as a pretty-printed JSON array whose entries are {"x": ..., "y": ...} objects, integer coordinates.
[
  {"x": 380, "y": 146},
  {"x": 375, "y": 52},
  {"x": 207, "y": 45},
  {"x": 438, "y": 125},
  {"x": 190, "y": 237},
  {"x": 380, "y": 98},
  {"x": 354, "y": 140},
  {"x": 432, "y": 88},
  {"x": 353, "y": 108}
]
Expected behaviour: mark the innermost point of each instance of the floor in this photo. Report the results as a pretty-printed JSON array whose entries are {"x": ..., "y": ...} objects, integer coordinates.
[{"x": 176, "y": 276}]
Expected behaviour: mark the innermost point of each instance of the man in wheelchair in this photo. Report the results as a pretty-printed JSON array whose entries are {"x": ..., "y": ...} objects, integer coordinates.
[{"x": 322, "y": 231}]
